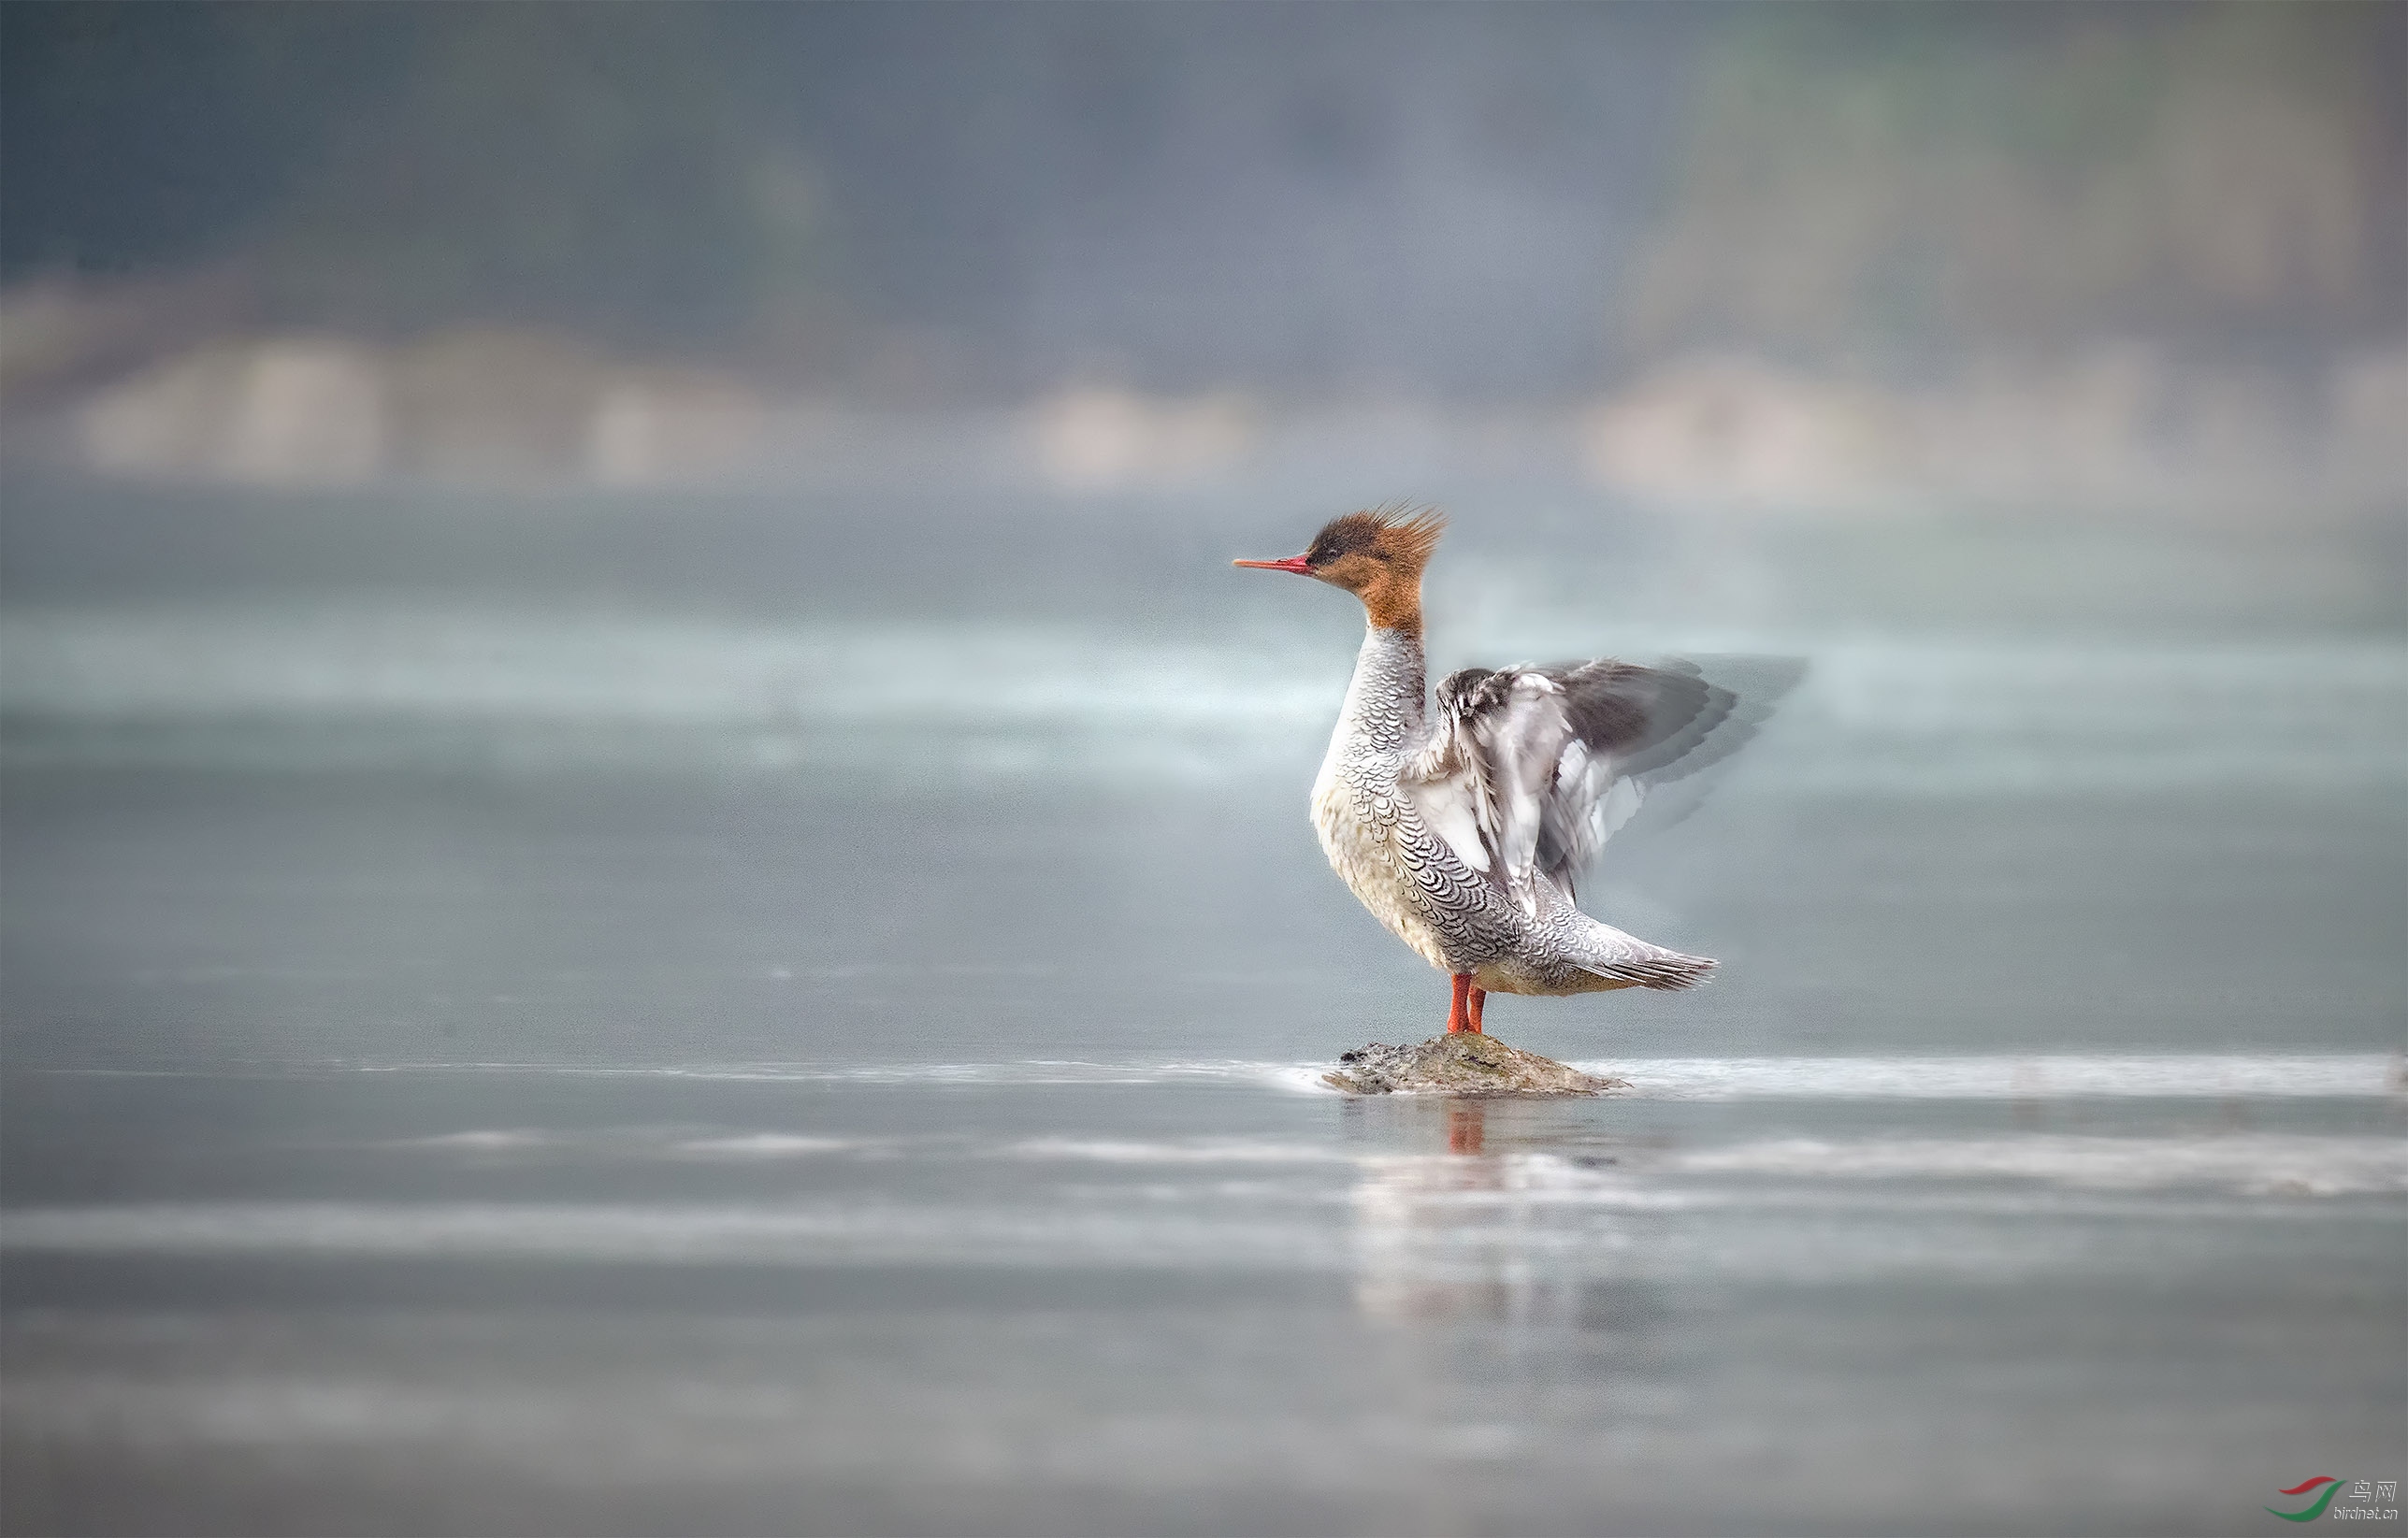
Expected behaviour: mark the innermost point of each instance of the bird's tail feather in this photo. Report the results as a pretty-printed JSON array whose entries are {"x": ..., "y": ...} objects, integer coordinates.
[
  {"x": 1653, "y": 967},
  {"x": 1624, "y": 960}
]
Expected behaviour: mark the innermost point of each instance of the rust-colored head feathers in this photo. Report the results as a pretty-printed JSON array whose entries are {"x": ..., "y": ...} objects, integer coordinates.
[
  {"x": 1399, "y": 534},
  {"x": 1376, "y": 556}
]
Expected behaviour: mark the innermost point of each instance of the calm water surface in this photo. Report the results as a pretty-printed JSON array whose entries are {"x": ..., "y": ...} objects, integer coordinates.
[{"x": 527, "y": 1060}]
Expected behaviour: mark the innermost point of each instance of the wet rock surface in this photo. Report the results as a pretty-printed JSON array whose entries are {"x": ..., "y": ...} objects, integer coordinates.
[{"x": 1459, "y": 1064}]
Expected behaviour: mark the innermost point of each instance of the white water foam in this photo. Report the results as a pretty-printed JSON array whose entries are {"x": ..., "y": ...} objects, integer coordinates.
[
  {"x": 765, "y": 1145},
  {"x": 659, "y": 1234},
  {"x": 2248, "y": 1163},
  {"x": 2221, "y": 1076},
  {"x": 2057, "y": 1076},
  {"x": 1200, "y": 1150},
  {"x": 636, "y": 1142},
  {"x": 1265, "y": 1230},
  {"x": 482, "y": 1139},
  {"x": 2255, "y": 1164},
  {"x": 1299, "y": 1077}
]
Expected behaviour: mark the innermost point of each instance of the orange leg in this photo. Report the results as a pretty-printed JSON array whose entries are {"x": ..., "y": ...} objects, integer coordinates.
[
  {"x": 1479, "y": 999},
  {"x": 1459, "y": 1013},
  {"x": 1465, "y": 1126}
]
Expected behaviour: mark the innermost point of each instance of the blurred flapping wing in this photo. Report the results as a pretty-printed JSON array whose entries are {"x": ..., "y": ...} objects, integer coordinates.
[{"x": 1529, "y": 770}]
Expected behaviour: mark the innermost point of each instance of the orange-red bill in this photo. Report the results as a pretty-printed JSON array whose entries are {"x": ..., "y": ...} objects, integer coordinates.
[{"x": 1296, "y": 564}]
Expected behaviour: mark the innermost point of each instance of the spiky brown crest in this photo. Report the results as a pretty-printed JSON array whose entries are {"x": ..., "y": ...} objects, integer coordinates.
[
  {"x": 1401, "y": 533},
  {"x": 1413, "y": 533},
  {"x": 1378, "y": 555}
]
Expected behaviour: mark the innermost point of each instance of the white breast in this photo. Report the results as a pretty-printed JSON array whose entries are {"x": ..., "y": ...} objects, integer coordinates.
[{"x": 1361, "y": 848}]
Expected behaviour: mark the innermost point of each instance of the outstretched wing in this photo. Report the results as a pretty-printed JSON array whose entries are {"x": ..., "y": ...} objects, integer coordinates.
[{"x": 1530, "y": 771}]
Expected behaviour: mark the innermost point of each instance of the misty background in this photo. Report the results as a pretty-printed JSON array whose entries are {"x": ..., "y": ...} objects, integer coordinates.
[
  {"x": 1820, "y": 256},
  {"x": 656, "y": 877}
]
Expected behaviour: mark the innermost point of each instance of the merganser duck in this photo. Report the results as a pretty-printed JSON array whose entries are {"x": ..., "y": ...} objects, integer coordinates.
[{"x": 1463, "y": 835}]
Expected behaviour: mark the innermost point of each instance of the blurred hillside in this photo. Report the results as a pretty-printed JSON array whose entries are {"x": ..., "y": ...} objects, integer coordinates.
[
  {"x": 1890, "y": 187},
  {"x": 1797, "y": 255}
]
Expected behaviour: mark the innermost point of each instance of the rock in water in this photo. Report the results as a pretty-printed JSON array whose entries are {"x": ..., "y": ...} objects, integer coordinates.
[{"x": 1464, "y": 1063}]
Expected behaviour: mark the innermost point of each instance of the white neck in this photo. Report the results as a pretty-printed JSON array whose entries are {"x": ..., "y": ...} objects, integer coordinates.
[{"x": 1384, "y": 708}]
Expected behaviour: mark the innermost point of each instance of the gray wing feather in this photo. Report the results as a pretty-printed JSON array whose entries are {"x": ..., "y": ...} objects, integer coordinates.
[{"x": 1546, "y": 764}]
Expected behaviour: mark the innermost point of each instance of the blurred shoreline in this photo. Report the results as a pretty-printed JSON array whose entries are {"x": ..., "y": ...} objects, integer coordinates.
[
  {"x": 2118, "y": 427},
  {"x": 1798, "y": 261}
]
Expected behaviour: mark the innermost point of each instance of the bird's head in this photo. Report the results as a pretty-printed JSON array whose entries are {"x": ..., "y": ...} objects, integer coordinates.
[{"x": 1376, "y": 556}]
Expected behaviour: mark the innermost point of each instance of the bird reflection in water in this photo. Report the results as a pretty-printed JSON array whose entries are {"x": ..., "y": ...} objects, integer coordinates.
[
  {"x": 1466, "y": 1127},
  {"x": 1522, "y": 1221}
]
